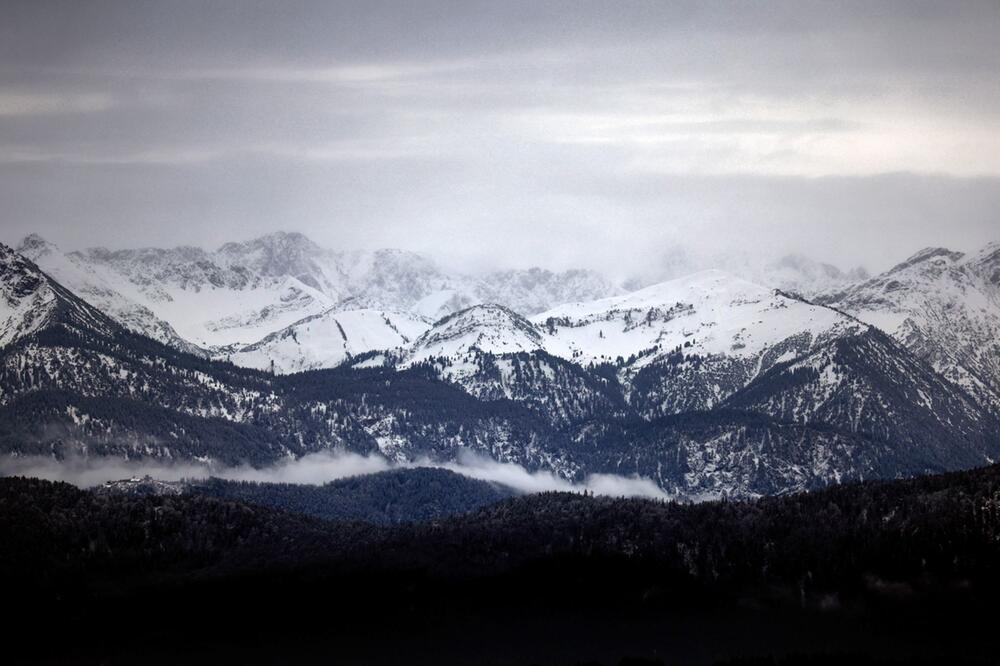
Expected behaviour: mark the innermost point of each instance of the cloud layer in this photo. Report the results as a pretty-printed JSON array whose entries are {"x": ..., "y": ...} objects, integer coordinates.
[
  {"x": 560, "y": 133},
  {"x": 318, "y": 468}
]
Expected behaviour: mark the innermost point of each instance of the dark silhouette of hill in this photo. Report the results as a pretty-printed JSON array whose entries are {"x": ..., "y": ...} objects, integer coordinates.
[{"x": 881, "y": 569}]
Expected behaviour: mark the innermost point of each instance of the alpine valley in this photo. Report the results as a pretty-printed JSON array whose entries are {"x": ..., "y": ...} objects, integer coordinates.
[{"x": 710, "y": 385}]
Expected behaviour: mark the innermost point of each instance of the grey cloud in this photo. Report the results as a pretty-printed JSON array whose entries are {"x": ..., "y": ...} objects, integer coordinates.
[
  {"x": 505, "y": 133},
  {"x": 316, "y": 469},
  {"x": 195, "y": 30}
]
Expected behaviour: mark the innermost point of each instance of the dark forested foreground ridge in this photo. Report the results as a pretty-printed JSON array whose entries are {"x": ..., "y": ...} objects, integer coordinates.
[{"x": 890, "y": 570}]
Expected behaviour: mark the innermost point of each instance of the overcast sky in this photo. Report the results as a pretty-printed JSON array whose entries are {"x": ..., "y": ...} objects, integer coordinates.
[{"x": 505, "y": 133}]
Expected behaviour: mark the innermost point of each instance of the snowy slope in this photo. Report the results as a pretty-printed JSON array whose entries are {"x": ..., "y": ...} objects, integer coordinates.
[
  {"x": 30, "y": 301},
  {"x": 688, "y": 344},
  {"x": 243, "y": 292},
  {"x": 76, "y": 276},
  {"x": 871, "y": 386},
  {"x": 26, "y": 302},
  {"x": 944, "y": 306},
  {"x": 710, "y": 313},
  {"x": 211, "y": 299},
  {"x": 217, "y": 316},
  {"x": 682, "y": 345},
  {"x": 795, "y": 273},
  {"x": 483, "y": 329},
  {"x": 327, "y": 340}
]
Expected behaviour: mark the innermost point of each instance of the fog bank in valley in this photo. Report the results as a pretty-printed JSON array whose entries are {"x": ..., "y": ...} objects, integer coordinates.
[{"x": 319, "y": 468}]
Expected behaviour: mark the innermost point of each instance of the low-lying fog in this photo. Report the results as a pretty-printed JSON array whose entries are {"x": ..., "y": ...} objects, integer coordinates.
[{"x": 318, "y": 468}]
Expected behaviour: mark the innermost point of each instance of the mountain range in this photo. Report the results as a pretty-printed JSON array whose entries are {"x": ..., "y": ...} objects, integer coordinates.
[
  {"x": 242, "y": 300},
  {"x": 242, "y": 292},
  {"x": 708, "y": 384}
]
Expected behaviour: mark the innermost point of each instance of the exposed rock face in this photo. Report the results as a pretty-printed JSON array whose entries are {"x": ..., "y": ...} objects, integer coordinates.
[{"x": 943, "y": 306}]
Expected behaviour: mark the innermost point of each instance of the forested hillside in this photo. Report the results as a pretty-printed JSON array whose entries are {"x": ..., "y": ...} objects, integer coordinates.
[
  {"x": 396, "y": 496},
  {"x": 860, "y": 553}
]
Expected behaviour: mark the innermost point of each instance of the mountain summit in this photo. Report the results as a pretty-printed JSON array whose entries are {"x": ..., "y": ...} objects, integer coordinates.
[{"x": 942, "y": 305}]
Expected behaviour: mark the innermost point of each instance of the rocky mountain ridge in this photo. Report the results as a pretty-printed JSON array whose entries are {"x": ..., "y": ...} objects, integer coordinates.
[
  {"x": 245, "y": 294},
  {"x": 708, "y": 385},
  {"x": 942, "y": 305}
]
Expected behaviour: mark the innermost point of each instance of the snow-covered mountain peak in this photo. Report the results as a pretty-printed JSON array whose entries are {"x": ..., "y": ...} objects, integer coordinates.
[
  {"x": 931, "y": 273},
  {"x": 155, "y": 270},
  {"x": 154, "y": 256},
  {"x": 216, "y": 298},
  {"x": 329, "y": 339},
  {"x": 944, "y": 307},
  {"x": 238, "y": 294},
  {"x": 708, "y": 313},
  {"x": 491, "y": 314},
  {"x": 108, "y": 292},
  {"x": 481, "y": 329},
  {"x": 277, "y": 243},
  {"x": 19, "y": 277},
  {"x": 277, "y": 255},
  {"x": 30, "y": 301}
]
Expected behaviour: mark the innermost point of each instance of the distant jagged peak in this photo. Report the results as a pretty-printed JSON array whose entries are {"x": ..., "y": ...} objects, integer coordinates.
[
  {"x": 809, "y": 266},
  {"x": 392, "y": 272},
  {"x": 396, "y": 252},
  {"x": 536, "y": 274},
  {"x": 276, "y": 255},
  {"x": 395, "y": 258},
  {"x": 149, "y": 256},
  {"x": 278, "y": 241},
  {"x": 34, "y": 246},
  {"x": 535, "y": 290}
]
